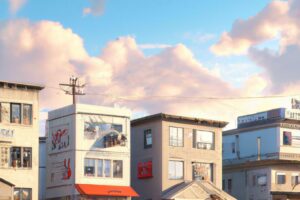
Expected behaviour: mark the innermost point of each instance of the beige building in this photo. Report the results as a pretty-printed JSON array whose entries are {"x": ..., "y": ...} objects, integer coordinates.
[
  {"x": 169, "y": 150},
  {"x": 261, "y": 158},
  {"x": 88, "y": 153},
  {"x": 19, "y": 140}
]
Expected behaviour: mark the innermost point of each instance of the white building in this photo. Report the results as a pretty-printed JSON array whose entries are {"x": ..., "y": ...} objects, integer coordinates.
[
  {"x": 19, "y": 140},
  {"x": 261, "y": 158},
  {"x": 88, "y": 153}
]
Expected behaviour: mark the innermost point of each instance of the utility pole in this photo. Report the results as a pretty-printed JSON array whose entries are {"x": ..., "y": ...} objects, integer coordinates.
[{"x": 76, "y": 89}]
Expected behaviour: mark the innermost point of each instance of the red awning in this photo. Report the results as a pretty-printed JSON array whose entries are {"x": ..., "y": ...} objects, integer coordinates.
[{"x": 106, "y": 190}]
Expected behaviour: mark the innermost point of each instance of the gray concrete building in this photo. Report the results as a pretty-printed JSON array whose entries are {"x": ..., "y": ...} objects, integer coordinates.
[
  {"x": 19, "y": 140},
  {"x": 170, "y": 151},
  {"x": 261, "y": 158}
]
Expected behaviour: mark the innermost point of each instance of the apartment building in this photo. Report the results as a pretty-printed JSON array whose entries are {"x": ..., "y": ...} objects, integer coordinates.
[
  {"x": 88, "y": 153},
  {"x": 176, "y": 157},
  {"x": 19, "y": 140},
  {"x": 261, "y": 158}
]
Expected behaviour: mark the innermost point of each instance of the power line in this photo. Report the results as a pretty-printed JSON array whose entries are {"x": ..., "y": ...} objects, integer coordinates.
[{"x": 76, "y": 89}]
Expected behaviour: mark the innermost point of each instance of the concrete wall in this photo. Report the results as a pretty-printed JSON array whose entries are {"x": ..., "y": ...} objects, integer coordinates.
[
  {"x": 245, "y": 184},
  {"x": 24, "y": 136},
  {"x": 188, "y": 154},
  {"x": 139, "y": 154},
  {"x": 270, "y": 143}
]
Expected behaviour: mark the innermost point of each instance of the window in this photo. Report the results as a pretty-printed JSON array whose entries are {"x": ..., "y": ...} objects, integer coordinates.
[
  {"x": 26, "y": 157},
  {"x": 99, "y": 168},
  {"x": 15, "y": 155},
  {"x": 22, "y": 194},
  {"x": 176, "y": 137},
  {"x": 262, "y": 180},
  {"x": 15, "y": 113},
  {"x": 107, "y": 168},
  {"x": 175, "y": 169},
  {"x": 280, "y": 178},
  {"x": 118, "y": 168},
  {"x": 295, "y": 179},
  {"x": 229, "y": 185},
  {"x": 232, "y": 147},
  {"x": 223, "y": 184},
  {"x": 147, "y": 139},
  {"x": 203, "y": 171},
  {"x": 89, "y": 167},
  {"x": 203, "y": 139},
  {"x": 287, "y": 138},
  {"x": 27, "y": 114},
  {"x": 4, "y": 151}
]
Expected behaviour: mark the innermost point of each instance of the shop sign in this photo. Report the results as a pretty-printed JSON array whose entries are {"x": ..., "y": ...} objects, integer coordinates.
[
  {"x": 145, "y": 170},
  {"x": 6, "y": 133}
]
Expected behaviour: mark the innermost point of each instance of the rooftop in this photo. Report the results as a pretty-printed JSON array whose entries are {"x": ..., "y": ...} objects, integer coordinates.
[
  {"x": 180, "y": 119},
  {"x": 19, "y": 85}
]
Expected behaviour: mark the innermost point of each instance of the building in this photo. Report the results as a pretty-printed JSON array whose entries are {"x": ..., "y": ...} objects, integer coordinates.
[
  {"x": 19, "y": 140},
  {"x": 261, "y": 158},
  {"x": 88, "y": 153},
  {"x": 42, "y": 168},
  {"x": 168, "y": 152}
]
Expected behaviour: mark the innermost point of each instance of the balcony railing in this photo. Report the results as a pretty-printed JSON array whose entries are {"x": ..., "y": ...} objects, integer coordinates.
[{"x": 268, "y": 156}]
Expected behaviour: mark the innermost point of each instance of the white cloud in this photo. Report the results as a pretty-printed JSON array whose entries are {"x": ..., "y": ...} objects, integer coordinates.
[
  {"x": 16, "y": 5},
  {"x": 199, "y": 37},
  {"x": 154, "y": 46},
  {"x": 96, "y": 8}
]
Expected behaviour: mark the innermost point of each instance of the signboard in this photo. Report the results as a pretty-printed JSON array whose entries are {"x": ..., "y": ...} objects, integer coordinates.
[
  {"x": 145, "y": 170},
  {"x": 93, "y": 130},
  {"x": 60, "y": 138},
  {"x": 6, "y": 133}
]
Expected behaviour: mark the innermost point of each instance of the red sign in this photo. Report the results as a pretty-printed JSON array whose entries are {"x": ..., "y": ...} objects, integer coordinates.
[{"x": 145, "y": 170}]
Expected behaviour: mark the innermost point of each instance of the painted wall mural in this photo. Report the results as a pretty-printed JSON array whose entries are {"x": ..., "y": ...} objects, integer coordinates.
[
  {"x": 60, "y": 138},
  {"x": 61, "y": 171},
  {"x": 105, "y": 134}
]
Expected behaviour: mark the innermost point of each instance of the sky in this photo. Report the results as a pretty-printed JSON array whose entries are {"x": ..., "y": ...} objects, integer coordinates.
[{"x": 208, "y": 59}]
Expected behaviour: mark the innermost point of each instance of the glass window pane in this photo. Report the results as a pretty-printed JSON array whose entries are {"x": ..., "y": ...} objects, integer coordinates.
[
  {"x": 171, "y": 170},
  {"x": 175, "y": 170},
  {"x": 89, "y": 167},
  {"x": 26, "y": 194},
  {"x": 15, "y": 113},
  {"x": 27, "y": 114},
  {"x": 15, "y": 156},
  {"x": 179, "y": 170},
  {"x": 118, "y": 168},
  {"x": 107, "y": 168},
  {"x": 17, "y": 194},
  {"x": 100, "y": 168},
  {"x": 27, "y": 155}
]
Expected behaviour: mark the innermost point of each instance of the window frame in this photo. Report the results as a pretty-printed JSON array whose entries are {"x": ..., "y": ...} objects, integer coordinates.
[
  {"x": 171, "y": 142},
  {"x": 175, "y": 168},
  {"x": 115, "y": 173},
  {"x": 86, "y": 166},
  {"x": 277, "y": 178},
  {"x": 195, "y": 142},
  {"x": 148, "y": 132},
  {"x": 20, "y": 113},
  {"x": 297, "y": 179},
  {"x": 20, "y": 190}
]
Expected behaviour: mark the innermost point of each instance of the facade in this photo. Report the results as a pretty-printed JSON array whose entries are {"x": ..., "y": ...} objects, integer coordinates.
[
  {"x": 167, "y": 150},
  {"x": 19, "y": 133},
  {"x": 261, "y": 158},
  {"x": 88, "y": 153},
  {"x": 42, "y": 168}
]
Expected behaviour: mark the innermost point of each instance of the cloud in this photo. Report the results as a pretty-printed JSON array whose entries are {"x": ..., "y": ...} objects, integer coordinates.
[
  {"x": 154, "y": 46},
  {"x": 16, "y": 5},
  {"x": 96, "y": 8},
  {"x": 267, "y": 24},
  {"x": 171, "y": 81},
  {"x": 199, "y": 37}
]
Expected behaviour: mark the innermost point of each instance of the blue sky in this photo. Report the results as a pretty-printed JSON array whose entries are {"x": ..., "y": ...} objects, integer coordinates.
[{"x": 196, "y": 24}]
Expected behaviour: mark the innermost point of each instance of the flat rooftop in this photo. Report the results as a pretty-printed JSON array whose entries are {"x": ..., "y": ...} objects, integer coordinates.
[
  {"x": 20, "y": 85},
  {"x": 180, "y": 119}
]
